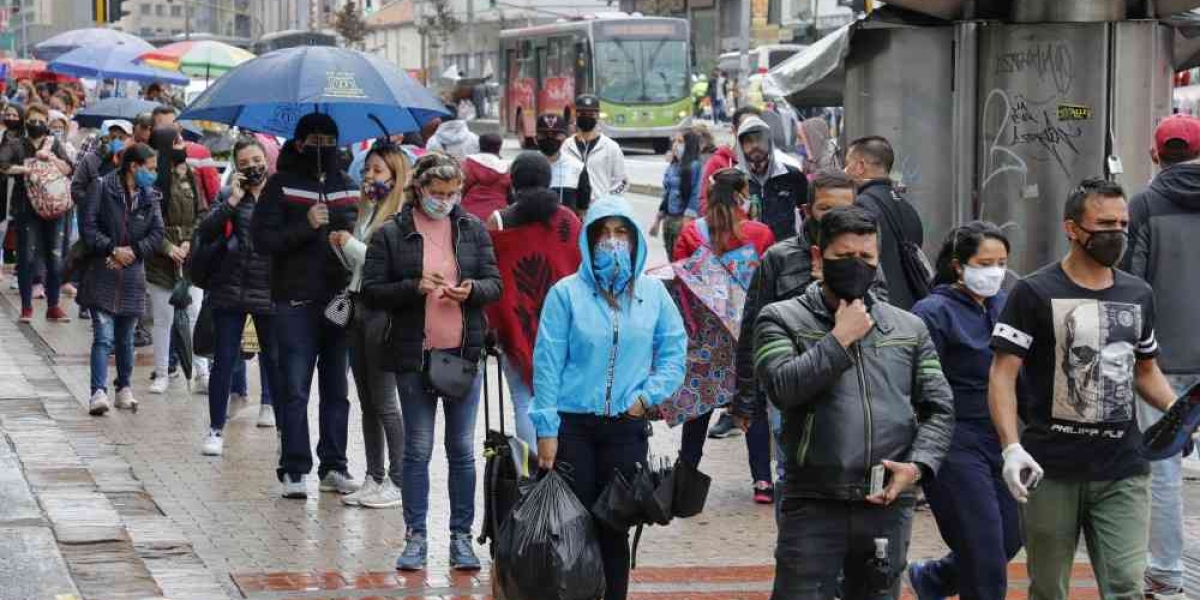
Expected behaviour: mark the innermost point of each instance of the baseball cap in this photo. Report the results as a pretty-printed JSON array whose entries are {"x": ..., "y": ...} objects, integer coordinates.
[
  {"x": 587, "y": 102},
  {"x": 121, "y": 124},
  {"x": 1178, "y": 127},
  {"x": 552, "y": 123}
]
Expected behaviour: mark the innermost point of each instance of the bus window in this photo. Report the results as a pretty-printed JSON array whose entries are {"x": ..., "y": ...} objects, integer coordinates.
[
  {"x": 555, "y": 58},
  {"x": 541, "y": 65},
  {"x": 778, "y": 56},
  {"x": 527, "y": 68},
  {"x": 642, "y": 71}
]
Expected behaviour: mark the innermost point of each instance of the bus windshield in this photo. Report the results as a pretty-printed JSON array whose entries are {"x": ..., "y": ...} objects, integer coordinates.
[{"x": 641, "y": 71}]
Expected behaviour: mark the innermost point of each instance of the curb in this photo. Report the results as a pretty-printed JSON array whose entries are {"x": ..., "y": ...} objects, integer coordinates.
[{"x": 645, "y": 190}]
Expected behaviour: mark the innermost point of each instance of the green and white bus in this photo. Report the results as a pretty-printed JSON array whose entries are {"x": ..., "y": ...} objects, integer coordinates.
[{"x": 638, "y": 66}]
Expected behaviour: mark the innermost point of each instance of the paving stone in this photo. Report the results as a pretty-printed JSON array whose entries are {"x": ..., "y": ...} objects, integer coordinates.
[
  {"x": 17, "y": 505},
  {"x": 30, "y": 565}
]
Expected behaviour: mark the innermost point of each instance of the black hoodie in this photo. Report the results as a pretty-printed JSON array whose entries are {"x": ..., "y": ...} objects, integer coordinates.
[{"x": 1164, "y": 222}]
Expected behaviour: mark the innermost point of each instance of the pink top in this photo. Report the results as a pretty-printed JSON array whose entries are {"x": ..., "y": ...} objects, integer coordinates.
[{"x": 443, "y": 316}]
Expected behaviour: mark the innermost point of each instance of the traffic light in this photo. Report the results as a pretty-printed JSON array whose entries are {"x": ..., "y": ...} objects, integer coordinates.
[
  {"x": 857, "y": 5},
  {"x": 117, "y": 10}
]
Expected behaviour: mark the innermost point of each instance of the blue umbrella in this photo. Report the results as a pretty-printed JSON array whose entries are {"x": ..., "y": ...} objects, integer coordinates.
[
  {"x": 365, "y": 95},
  {"x": 114, "y": 108},
  {"x": 65, "y": 42},
  {"x": 112, "y": 62}
]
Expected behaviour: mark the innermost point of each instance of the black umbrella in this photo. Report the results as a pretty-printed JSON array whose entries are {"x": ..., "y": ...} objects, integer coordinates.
[{"x": 181, "y": 325}]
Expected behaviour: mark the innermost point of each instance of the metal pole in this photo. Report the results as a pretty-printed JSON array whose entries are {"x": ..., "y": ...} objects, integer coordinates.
[
  {"x": 421, "y": 31},
  {"x": 187, "y": 19},
  {"x": 471, "y": 38},
  {"x": 744, "y": 77}
]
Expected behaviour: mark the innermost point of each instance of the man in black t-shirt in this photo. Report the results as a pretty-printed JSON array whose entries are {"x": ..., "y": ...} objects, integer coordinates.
[{"x": 1084, "y": 334}]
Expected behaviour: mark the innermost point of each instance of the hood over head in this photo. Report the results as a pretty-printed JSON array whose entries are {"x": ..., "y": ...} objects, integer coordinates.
[
  {"x": 752, "y": 124},
  {"x": 601, "y": 209},
  {"x": 1179, "y": 184},
  {"x": 530, "y": 169},
  {"x": 452, "y": 133},
  {"x": 498, "y": 166}
]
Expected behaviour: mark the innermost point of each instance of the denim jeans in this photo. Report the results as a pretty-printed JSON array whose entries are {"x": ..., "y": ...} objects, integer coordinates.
[
  {"x": 227, "y": 355},
  {"x": 306, "y": 343},
  {"x": 1165, "y": 559},
  {"x": 522, "y": 399},
  {"x": 109, "y": 331},
  {"x": 758, "y": 444},
  {"x": 39, "y": 240},
  {"x": 382, "y": 424},
  {"x": 420, "y": 417},
  {"x": 241, "y": 383}
]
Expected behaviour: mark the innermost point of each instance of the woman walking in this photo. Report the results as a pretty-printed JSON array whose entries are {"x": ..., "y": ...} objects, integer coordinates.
[
  {"x": 182, "y": 211},
  {"x": 385, "y": 177},
  {"x": 610, "y": 347},
  {"x": 240, "y": 288},
  {"x": 432, "y": 268},
  {"x": 121, "y": 227},
  {"x": 975, "y": 512},
  {"x": 681, "y": 188}
]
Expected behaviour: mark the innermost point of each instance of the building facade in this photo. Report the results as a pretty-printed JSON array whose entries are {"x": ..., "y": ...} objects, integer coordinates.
[
  {"x": 162, "y": 20},
  {"x": 31, "y": 21}
]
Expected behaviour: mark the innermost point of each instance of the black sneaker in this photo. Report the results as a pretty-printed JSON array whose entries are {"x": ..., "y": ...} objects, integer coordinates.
[{"x": 724, "y": 427}]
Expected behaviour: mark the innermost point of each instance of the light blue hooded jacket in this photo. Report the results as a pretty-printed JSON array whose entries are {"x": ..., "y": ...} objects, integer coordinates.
[{"x": 592, "y": 359}]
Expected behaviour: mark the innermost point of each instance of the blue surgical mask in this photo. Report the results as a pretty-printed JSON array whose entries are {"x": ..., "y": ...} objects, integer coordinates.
[
  {"x": 612, "y": 264},
  {"x": 437, "y": 208},
  {"x": 115, "y": 146},
  {"x": 144, "y": 178}
]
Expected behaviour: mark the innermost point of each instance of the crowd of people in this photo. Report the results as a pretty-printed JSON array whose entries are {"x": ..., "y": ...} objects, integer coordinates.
[{"x": 869, "y": 382}]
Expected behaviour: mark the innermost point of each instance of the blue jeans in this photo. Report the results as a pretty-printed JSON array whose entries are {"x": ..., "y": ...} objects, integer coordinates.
[
  {"x": 110, "y": 330},
  {"x": 241, "y": 384},
  {"x": 522, "y": 399},
  {"x": 1165, "y": 560},
  {"x": 227, "y": 355},
  {"x": 39, "y": 239},
  {"x": 419, "y": 406},
  {"x": 307, "y": 343}
]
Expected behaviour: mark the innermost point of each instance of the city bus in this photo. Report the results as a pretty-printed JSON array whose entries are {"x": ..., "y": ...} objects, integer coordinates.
[{"x": 638, "y": 66}]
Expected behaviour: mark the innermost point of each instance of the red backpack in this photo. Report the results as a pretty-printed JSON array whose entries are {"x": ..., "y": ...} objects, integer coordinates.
[{"x": 49, "y": 191}]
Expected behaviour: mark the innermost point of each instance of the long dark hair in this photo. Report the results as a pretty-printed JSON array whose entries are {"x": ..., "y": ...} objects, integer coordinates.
[
  {"x": 723, "y": 224},
  {"x": 687, "y": 163},
  {"x": 963, "y": 243}
]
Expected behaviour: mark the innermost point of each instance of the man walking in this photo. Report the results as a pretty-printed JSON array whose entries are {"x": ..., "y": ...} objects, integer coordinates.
[
  {"x": 565, "y": 169},
  {"x": 1163, "y": 223},
  {"x": 869, "y": 161},
  {"x": 778, "y": 187},
  {"x": 857, "y": 435},
  {"x": 1083, "y": 334},
  {"x": 603, "y": 162}
]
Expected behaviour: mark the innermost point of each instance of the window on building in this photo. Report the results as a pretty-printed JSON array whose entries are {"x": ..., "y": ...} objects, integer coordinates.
[
  {"x": 145, "y": 9},
  {"x": 176, "y": 32},
  {"x": 160, "y": 10},
  {"x": 176, "y": 10},
  {"x": 145, "y": 32}
]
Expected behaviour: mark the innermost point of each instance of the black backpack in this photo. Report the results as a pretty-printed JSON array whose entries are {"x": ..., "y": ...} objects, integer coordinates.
[{"x": 918, "y": 271}]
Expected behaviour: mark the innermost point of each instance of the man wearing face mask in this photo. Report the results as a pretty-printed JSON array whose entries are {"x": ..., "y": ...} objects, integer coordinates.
[
  {"x": 565, "y": 169},
  {"x": 603, "y": 162},
  {"x": 307, "y": 199},
  {"x": 867, "y": 414},
  {"x": 1083, "y": 333},
  {"x": 777, "y": 183}
]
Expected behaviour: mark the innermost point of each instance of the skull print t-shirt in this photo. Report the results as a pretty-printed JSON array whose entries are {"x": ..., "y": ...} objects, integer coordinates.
[{"x": 1079, "y": 347}]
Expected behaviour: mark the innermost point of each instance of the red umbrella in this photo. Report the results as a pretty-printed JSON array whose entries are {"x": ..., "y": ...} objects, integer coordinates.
[{"x": 28, "y": 68}]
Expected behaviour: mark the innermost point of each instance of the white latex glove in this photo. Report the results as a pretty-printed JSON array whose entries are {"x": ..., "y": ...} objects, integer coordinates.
[{"x": 1016, "y": 463}]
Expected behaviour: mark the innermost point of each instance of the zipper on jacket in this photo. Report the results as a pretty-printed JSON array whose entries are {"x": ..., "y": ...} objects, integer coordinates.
[
  {"x": 866, "y": 399},
  {"x": 454, "y": 231},
  {"x": 612, "y": 360}
]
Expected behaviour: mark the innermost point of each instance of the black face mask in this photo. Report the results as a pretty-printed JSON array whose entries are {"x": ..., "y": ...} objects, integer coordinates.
[
  {"x": 549, "y": 145},
  {"x": 178, "y": 156},
  {"x": 254, "y": 175},
  {"x": 848, "y": 278},
  {"x": 1106, "y": 247},
  {"x": 12, "y": 124},
  {"x": 587, "y": 123},
  {"x": 36, "y": 130}
]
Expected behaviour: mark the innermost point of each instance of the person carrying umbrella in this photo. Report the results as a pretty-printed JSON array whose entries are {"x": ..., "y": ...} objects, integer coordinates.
[
  {"x": 183, "y": 208},
  {"x": 308, "y": 198}
]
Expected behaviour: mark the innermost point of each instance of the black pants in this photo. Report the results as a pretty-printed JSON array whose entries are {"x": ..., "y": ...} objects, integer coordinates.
[
  {"x": 596, "y": 448},
  {"x": 820, "y": 538}
]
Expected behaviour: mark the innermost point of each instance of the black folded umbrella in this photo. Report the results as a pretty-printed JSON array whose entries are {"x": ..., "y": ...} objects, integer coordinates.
[
  {"x": 1171, "y": 434},
  {"x": 653, "y": 488},
  {"x": 181, "y": 325},
  {"x": 617, "y": 507},
  {"x": 690, "y": 488}
]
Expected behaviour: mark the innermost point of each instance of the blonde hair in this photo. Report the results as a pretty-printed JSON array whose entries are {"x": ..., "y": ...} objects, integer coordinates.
[{"x": 397, "y": 163}]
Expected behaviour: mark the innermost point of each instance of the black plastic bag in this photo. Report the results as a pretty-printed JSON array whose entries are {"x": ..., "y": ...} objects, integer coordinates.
[
  {"x": 204, "y": 338},
  {"x": 654, "y": 491},
  {"x": 690, "y": 490},
  {"x": 617, "y": 508},
  {"x": 547, "y": 548}
]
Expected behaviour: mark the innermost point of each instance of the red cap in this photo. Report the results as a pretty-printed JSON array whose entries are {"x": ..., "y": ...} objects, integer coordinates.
[{"x": 1178, "y": 127}]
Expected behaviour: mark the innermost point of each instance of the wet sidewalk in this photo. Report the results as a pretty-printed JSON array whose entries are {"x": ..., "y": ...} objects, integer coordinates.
[{"x": 125, "y": 506}]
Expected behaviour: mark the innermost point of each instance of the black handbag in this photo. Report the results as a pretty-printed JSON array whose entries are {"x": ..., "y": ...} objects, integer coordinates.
[{"x": 450, "y": 375}]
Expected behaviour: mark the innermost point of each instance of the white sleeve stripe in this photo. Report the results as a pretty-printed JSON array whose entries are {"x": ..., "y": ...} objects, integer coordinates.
[
  {"x": 1148, "y": 342},
  {"x": 1012, "y": 334}
]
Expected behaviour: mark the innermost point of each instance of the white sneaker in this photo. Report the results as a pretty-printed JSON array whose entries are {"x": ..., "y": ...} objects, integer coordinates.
[
  {"x": 266, "y": 416},
  {"x": 125, "y": 399},
  {"x": 159, "y": 385},
  {"x": 214, "y": 444},
  {"x": 200, "y": 387},
  {"x": 368, "y": 488},
  {"x": 98, "y": 405},
  {"x": 387, "y": 496},
  {"x": 336, "y": 481},
  {"x": 294, "y": 487}
]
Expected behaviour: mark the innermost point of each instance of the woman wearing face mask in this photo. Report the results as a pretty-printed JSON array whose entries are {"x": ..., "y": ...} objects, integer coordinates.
[
  {"x": 975, "y": 512},
  {"x": 681, "y": 188},
  {"x": 725, "y": 227},
  {"x": 385, "y": 176},
  {"x": 432, "y": 267},
  {"x": 240, "y": 288},
  {"x": 182, "y": 211},
  {"x": 610, "y": 347},
  {"x": 122, "y": 226}
]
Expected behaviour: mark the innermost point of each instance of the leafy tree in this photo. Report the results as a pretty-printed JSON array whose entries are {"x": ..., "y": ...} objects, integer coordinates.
[{"x": 350, "y": 25}]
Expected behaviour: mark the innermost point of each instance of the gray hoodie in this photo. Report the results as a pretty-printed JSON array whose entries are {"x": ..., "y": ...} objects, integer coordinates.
[
  {"x": 778, "y": 192},
  {"x": 453, "y": 138}
]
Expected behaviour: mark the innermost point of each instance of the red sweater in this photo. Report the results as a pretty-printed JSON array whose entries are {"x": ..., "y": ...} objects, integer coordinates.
[
  {"x": 207, "y": 177},
  {"x": 485, "y": 189},
  {"x": 752, "y": 233}
]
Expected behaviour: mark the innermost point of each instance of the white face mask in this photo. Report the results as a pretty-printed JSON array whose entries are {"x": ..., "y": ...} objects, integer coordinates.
[{"x": 984, "y": 281}]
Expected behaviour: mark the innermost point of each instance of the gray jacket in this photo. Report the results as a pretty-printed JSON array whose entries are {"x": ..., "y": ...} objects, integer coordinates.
[
  {"x": 847, "y": 410},
  {"x": 1163, "y": 223}
]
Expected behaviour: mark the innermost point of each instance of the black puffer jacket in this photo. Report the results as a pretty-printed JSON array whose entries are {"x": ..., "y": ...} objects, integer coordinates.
[
  {"x": 392, "y": 277},
  {"x": 243, "y": 281},
  {"x": 846, "y": 410}
]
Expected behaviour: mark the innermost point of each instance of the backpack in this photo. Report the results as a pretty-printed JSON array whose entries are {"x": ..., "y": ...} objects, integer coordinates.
[
  {"x": 49, "y": 191},
  {"x": 918, "y": 271}
]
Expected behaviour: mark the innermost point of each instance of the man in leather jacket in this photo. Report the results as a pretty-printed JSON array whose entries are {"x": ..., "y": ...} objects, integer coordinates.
[{"x": 867, "y": 413}]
